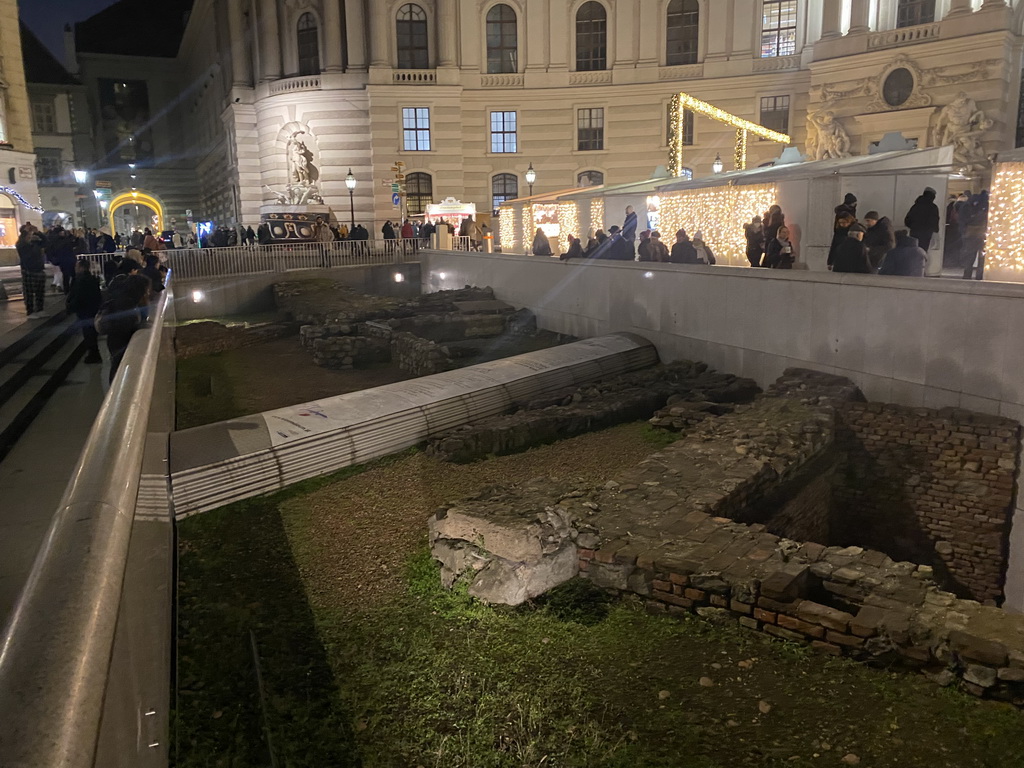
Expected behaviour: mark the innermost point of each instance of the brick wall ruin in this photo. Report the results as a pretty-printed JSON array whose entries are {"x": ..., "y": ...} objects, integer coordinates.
[
  {"x": 708, "y": 525},
  {"x": 934, "y": 487}
]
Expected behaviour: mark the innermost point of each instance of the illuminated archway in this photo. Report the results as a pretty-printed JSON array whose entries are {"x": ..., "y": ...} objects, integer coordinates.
[{"x": 136, "y": 198}]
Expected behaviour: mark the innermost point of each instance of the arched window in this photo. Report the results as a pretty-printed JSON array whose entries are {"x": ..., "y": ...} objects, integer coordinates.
[
  {"x": 419, "y": 192},
  {"x": 504, "y": 186},
  {"x": 309, "y": 45},
  {"x": 682, "y": 26},
  {"x": 502, "y": 40},
  {"x": 411, "y": 33},
  {"x": 590, "y": 179},
  {"x": 910, "y": 13},
  {"x": 591, "y": 37}
]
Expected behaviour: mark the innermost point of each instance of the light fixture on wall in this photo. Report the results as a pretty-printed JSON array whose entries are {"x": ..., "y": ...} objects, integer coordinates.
[
  {"x": 718, "y": 165},
  {"x": 531, "y": 177},
  {"x": 350, "y": 182},
  {"x": 81, "y": 177}
]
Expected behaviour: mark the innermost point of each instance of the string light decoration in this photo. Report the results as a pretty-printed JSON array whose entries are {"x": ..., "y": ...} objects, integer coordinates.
[
  {"x": 21, "y": 199},
  {"x": 526, "y": 219},
  {"x": 507, "y": 227},
  {"x": 597, "y": 214},
  {"x": 718, "y": 212},
  {"x": 1004, "y": 244},
  {"x": 684, "y": 102},
  {"x": 568, "y": 223}
]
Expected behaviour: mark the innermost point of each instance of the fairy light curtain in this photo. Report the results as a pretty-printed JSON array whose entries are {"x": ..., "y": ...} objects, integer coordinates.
[
  {"x": 683, "y": 102},
  {"x": 1004, "y": 245}
]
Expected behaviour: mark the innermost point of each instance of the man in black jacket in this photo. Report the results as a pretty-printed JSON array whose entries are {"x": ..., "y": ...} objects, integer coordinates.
[
  {"x": 907, "y": 259},
  {"x": 923, "y": 218},
  {"x": 85, "y": 300},
  {"x": 852, "y": 254},
  {"x": 879, "y": 238},
  {"x": 33, "y": 269}
]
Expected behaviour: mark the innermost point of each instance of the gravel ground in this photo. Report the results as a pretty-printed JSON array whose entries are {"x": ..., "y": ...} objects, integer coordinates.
[{"x": 361, "y": 531}]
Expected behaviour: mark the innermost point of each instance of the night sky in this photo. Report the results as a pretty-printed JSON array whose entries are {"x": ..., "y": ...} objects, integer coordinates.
[{"x": 47, "y": 18}]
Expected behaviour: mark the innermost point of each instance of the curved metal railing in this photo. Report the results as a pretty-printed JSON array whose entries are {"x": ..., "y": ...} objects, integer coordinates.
[{"x": 57, "y": 648}]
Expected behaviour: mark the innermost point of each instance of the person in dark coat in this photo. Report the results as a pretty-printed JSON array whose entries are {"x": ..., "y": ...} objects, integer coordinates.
[
  {"x": 596, "y": 247},
  {"x": 879, "y": 239},
  {"x": 683, "y": 251},
  {"x": 852, "y": 254},
  {"x": 754, "y": 233},
  {"x": 575, "y": 249},
  {"x": 85, "y": 299},
  {"x": 658, "y": 250},
  {"x": 907, "y": 259},
  {"x": 152, "y": 271},
  {"x": 643, "y": 251},
  {"x": 849, "y": 205},
  {"x": 263, "y": 235},
  {"x": 388, "y": 231},
  {"x": 974, "y": 226},
  {"x": 839, "y": 235},
  {"x": 32, "y": 261},
  {"x": 541, "y": 244},
  {"x": 923, "y": 218},
  {"x": 123, "y": 314},
  {"x": 779, "y": 254},
  {"x": 60, "y": 251},
  {"x": 773, "y": 219}
]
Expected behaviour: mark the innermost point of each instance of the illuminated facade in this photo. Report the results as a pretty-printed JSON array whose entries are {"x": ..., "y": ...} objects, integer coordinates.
[{"x": 467, "y": 94}]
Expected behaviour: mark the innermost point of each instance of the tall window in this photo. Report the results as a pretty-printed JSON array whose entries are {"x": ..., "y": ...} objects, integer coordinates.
[
  {"x": 778, "y": 28},
  {"x": 591, "y": 37},
  {"x": 416, "y": 129},
  {"x": 683, "y": 24},
  {"x": 309, "y": 45},
  {"x": 44, "y": 117},
  {"x": 910, "y": 13},
  {"x": 502, "y": 40},
  {"x": 775, "y": 113},
  {"x": 687, "y": 127},
  {"x": 589, "y": 179},
  {"x": 504, "y": 186},
  {"x": 590, "y": 129},
  {"x": 419, "y": 192},
  {"x": 503, "y": 132},
  {"x": 411, "y": 33}
]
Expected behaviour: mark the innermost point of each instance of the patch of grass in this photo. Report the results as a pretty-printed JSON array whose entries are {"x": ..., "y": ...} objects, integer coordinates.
[
  {"x": 204, "y": 393},
  {"x": 659, "y": 438}
]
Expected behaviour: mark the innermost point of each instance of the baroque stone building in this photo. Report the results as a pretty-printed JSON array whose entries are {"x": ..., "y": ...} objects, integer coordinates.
[{"x": 266, "y": 102}]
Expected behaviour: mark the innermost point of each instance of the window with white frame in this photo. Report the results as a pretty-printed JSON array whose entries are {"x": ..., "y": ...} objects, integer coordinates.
[
  {"x": 775, "y": 113},
  {"x": 778, "y": 28},
  {"x": 910, "y": 13},
  {"x": 590, "y": 129},
  {"x": 416, "y": 129},
  {"x": 44, "y": 117},
  {"x": 503, "y": 132}
]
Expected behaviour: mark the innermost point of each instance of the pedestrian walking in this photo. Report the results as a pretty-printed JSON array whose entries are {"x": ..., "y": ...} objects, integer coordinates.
[
  {"x": 754, "y": 233},
  {"x": 32, "y": 262},
  {"x": 85, "y": 299},
  {"x": 122, "y": 314},
  {"x": 879, "y": 238},
  {"x": 922, "y": 220}
]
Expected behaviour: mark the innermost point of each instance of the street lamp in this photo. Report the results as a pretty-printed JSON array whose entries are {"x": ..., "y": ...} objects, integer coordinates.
[
  {"x": 531, "y": 177},
  {"x": 718, "y": 165},
  {"x": 350, "y": 182},
  {"x": 81, "y": 177}
]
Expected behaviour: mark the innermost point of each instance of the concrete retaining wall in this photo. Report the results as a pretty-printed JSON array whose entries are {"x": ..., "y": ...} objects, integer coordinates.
[{"x": 915, "y": 342}]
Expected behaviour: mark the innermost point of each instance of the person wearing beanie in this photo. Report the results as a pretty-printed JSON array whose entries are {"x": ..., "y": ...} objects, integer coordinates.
[
  {"x": 923, "y": 218},
  {"x": 852, "y": 255},
  {"x": 879, "y": 238},
  {"x": 846, "y": 214}
]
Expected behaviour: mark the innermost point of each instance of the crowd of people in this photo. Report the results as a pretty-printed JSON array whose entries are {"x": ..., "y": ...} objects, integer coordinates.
[{"x": 115, "y": 307}]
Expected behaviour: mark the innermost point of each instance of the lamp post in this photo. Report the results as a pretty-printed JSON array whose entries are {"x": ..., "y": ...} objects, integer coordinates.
[
  {"x": 531, "y": 177},
  {"x": 350, "y": 182},
  {"x": 718, "y": 165},
  {"x": 81, "y": 178}
]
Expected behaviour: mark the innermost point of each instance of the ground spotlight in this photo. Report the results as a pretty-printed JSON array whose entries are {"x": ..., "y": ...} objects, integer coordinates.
[
  {"x": 197, "y": 296},
  {"x": 442, "y": 275},
  {"x": 399, "y": 277},
  {"x": 649, "y": 275}
]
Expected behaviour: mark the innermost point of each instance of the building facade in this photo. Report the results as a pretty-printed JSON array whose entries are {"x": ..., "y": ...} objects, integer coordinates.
[
  {"x": 273, "y": 102},
  {"x": 19, "y": 194}
]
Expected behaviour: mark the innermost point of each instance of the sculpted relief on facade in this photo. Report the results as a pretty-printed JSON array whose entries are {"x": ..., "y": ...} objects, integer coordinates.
[
  {"x": 961, "y": 124},
  {"x": 303, "y": 185},
  {"x": 826, "y": 137}
]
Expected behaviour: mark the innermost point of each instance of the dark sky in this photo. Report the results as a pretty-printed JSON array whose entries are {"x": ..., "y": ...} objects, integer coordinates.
[{"x": 47, "y": 18}]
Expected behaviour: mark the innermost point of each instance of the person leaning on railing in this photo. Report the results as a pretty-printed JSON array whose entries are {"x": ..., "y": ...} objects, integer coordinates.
[{"x": 123, "y": 313}]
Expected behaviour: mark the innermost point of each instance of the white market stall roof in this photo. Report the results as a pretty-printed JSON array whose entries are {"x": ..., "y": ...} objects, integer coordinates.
[
  {"x": 633, "y": 187},
  {"x": 910, "y": 162},
  {"x": 547, "y": 197}
]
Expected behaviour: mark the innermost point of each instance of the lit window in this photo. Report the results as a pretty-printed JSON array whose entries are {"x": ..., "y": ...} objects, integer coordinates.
[
  {"x": 590, "y": 129},
  {"x": 419, "y": 192},
  {"x": 591, "y": 37},
  {"x": 416, "y": 129},
  {"x": 503, "y": 132},
  {"x": 683, "y": 25},
  {"x": 411, "y": 35},
  {"x": 504, "y": 186},
  {"x": 502, "y": 40},
  {"x": 778, "y": 28},
  {"x": 910, "y": 13},
  {"x": 590, "y": 179}
]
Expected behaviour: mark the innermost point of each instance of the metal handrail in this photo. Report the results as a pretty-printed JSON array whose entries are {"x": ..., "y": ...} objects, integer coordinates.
[{"x": 56, "y": 649}]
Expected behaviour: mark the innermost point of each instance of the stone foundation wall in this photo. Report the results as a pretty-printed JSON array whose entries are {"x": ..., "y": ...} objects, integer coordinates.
[
  {"x": 347, "y": 351},
  {"x": 209, "y": 338},
  {"x": 935, "y": 487},
  {"x": 418, "y": 356}
]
